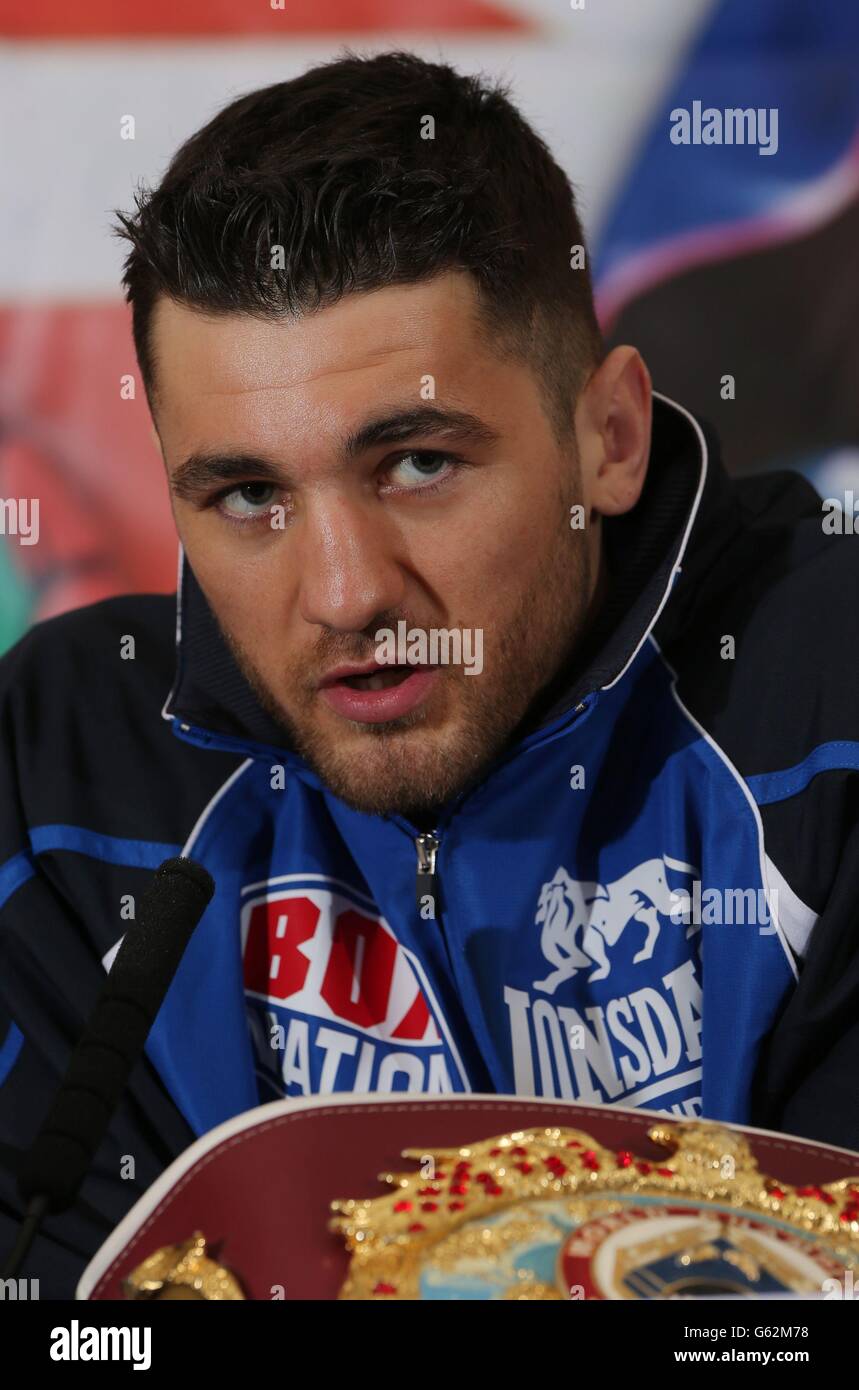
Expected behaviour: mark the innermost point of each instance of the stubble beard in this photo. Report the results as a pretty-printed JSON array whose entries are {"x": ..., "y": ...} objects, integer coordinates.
[{"x": 412, "y": 766}]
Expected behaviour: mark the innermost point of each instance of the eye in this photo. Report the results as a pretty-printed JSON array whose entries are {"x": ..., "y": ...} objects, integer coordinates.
[
  {"x": 247, "y": 501},
  {"x": 421, "y": 467}
]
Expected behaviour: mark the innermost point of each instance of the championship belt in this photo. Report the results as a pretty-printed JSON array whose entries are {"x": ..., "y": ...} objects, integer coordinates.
[{"x": 486, "y": 1197}]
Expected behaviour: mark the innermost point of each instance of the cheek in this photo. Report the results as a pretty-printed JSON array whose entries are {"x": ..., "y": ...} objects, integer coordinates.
[
  {"x": 243, "y": 584},
  {"x": 492, "y": 553}
]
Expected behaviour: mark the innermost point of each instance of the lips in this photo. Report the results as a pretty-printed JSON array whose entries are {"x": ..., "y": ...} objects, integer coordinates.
[
  {"x": 377, "y": 679},
  {"x": 371, "y": 694},
  {"x": 355, "y": 671}
]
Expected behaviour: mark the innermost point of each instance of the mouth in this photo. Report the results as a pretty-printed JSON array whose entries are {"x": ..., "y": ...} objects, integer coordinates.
[
  {"x": 379, "y": 680},
  {"x": 372, "y": 694}
]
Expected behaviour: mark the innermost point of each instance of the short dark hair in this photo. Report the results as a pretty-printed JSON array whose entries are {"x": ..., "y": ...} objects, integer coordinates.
[{"x": 335, "y": 167}]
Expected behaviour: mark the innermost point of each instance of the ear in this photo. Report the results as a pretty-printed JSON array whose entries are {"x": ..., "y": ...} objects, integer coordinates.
[{"x": 613, "y": 423}]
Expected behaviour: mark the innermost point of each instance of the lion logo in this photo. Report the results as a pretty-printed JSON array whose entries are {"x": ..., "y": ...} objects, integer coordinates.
[{"x": 582, "y": 921}]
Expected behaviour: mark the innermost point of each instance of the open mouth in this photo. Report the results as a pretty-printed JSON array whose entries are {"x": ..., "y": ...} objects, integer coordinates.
[
  {"x": 380, "y": 680},
  {"x": 381, "y": 694}
]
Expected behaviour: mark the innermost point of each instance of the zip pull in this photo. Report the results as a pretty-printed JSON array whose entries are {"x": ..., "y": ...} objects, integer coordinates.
[{"x": 427, "y": 846}]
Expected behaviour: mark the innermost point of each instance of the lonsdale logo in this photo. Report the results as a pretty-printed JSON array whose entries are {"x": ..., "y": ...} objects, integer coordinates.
[{"x": 643, "y": 1045}]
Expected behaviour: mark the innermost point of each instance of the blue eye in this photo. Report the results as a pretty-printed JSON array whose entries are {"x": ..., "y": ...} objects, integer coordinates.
[
  {"x": 421, "y": 467},
  {"x": 248, "y": 500}
]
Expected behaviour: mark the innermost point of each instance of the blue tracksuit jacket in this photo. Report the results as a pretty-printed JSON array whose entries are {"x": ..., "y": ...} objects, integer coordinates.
[{"x": 649, "y": 900}]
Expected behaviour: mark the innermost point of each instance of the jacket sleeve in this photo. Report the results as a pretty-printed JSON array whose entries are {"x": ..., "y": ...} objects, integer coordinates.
[
  {"x": 50, "y": 975},
  {"x": 808, "y": 1078},
  {"x": 785, "y": 711}
]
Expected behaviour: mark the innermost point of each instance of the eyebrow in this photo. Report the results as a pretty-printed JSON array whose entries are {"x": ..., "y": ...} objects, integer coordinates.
[{"x": 204, "y": 470}]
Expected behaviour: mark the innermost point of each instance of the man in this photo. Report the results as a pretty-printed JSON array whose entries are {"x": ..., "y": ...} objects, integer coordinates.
[{"x": 518, "y": 739}]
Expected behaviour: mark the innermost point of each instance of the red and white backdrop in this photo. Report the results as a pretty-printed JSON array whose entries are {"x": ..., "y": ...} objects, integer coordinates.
[{"x": 713, "y": 259}]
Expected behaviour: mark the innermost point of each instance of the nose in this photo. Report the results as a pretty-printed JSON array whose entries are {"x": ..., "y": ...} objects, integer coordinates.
[{"x": 349, "y": 570}]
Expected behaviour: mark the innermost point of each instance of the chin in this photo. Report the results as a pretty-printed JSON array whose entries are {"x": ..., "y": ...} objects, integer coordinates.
[
  {"x": 388, "y": 775},
  {"x": 374, "y": 797}
]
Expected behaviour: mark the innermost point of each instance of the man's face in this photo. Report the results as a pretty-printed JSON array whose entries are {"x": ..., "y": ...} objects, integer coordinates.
[{"x": 371, "y": 464}]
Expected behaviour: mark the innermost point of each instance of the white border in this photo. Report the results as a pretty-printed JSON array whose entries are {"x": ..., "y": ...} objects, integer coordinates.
[
  {"x": 797, "y": 918},
  {"x": 110, "y": 955},
  {"x": 722, "y": 755},
  {"x": 207, "y": 810},
  {"x": 180, "y": 576},
  {"x": 323, "y": 879},
  {"x": 689, "y": 524}
]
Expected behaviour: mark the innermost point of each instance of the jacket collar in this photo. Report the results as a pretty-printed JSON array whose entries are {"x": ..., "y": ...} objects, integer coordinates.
[{"x": 685, "y": 491}]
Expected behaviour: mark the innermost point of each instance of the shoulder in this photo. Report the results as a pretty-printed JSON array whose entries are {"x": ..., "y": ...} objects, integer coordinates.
[
  {"x": 82, "y": 731},
  {"x": 86, "y": 642},
  {"x": 762, "y": 638},
  {"x": 763, "y": 645}
]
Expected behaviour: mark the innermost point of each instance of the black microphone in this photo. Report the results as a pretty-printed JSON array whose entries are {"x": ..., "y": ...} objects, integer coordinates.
[{"x": 61, "y": 1154}]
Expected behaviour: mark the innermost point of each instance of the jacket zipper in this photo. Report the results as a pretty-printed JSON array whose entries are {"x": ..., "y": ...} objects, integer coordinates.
[{"x": 427, "y": 846}]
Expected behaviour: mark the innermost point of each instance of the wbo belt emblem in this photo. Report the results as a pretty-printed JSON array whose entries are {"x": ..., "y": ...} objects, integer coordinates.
[
  {"x": 552, "y": 1214},
  {"x": 583, "y": 921}
]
